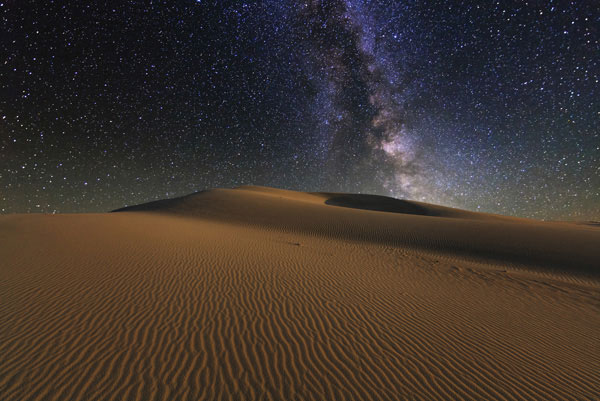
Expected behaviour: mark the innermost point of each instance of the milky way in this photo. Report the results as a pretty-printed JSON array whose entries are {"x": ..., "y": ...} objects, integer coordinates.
[
  {"x": 489, "y": 107},
  {"x": 364, "y": 100}
]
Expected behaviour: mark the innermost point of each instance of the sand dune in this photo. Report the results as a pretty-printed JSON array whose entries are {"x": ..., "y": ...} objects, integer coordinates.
[
  {"x": 257, "y": 293},
  {"x": 480, "y": 236}
]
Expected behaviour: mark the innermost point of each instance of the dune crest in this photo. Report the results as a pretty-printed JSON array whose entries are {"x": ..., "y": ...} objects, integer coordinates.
[
  {"x": 259, "y": 293},
  {"x": 488, "y": 238}
]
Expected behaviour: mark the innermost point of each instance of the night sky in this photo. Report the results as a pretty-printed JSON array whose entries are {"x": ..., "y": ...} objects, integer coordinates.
[{"x": 486, "y": 106}]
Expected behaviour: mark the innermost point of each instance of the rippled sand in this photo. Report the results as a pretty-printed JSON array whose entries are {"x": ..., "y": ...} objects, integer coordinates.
[{"x": 256, "y": 293}]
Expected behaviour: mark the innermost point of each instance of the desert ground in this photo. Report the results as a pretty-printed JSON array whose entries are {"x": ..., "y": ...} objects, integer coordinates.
[{"x": 263, "y": 294}]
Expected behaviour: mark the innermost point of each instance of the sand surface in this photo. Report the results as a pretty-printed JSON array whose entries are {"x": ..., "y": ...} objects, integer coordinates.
[{"x": 256, "y": 293}]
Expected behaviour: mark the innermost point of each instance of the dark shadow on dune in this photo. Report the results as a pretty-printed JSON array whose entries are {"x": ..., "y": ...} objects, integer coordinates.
[
  {"x": 157, "y": 205},
  {"x": 377, "y": 203}
]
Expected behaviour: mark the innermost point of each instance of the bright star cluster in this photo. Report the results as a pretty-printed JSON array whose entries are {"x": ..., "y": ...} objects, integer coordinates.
[{"x": 488, "y": 106}]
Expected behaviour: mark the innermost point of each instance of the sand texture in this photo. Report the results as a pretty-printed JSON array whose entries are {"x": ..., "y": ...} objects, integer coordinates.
[{"x": 256, "y": 293}]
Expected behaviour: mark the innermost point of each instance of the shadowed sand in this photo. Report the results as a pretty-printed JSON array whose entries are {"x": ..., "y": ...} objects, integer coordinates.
[{"x": 258, "y": 293}]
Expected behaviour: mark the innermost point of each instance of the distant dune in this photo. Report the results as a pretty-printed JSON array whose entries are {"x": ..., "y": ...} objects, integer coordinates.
[
  {"x": 260, "y": 293},
  {"x": 484, "y": 237}
]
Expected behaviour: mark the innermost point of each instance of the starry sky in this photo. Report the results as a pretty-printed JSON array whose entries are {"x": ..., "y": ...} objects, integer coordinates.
[{"x": 489, "y": 106}]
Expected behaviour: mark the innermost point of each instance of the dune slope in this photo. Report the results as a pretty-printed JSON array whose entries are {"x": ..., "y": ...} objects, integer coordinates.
[
  {"x": 387, "y": 221},
  {"x": 256, "y": 293}
]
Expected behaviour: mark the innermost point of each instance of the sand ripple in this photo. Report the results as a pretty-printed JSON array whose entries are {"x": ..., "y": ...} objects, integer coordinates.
[{"x": 136, "y": 306}]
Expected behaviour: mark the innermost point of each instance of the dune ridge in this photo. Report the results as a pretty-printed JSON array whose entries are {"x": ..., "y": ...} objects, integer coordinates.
[
  {"x": 223, "y": 295},
  {"x": 484, "y": 237}
]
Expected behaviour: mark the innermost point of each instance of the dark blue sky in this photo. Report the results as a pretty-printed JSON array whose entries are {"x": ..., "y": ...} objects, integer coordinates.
[{"x": 489, "y": 107}]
